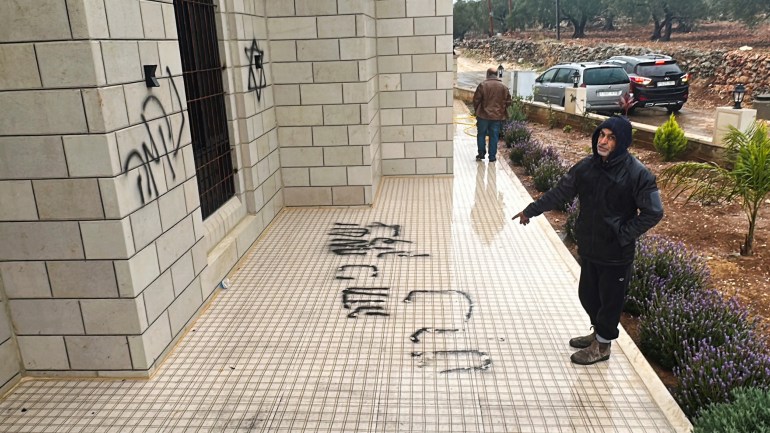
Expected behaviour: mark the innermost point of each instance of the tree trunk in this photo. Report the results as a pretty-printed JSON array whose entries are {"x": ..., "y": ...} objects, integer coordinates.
[
  {"x": 609, "y": 23},
  {"x": 667, "y": 28},
  {"x": 656, "y": 32},
  {"x": 747, "y": 249},
  {"x": 580, "y": 28}
]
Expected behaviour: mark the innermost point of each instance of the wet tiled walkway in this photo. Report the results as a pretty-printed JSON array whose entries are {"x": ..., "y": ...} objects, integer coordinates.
[{"x": 429, "y": 312}]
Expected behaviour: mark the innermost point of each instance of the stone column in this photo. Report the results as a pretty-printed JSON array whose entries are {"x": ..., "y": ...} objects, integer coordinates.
[{"x": 727, "y": 117}]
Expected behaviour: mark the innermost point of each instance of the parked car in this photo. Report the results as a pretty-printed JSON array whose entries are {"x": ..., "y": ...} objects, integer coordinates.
[
  {"x": 656, "y": 80},
  {"x": 605, "y": 84}
]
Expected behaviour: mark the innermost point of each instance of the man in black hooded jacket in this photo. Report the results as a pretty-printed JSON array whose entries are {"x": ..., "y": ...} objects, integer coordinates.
[{"x": 619, "y": 201}]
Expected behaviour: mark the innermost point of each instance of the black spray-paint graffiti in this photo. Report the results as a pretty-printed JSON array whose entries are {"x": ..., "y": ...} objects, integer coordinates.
[
  {"x": 152, "y": 153},
  {"x": 351, "y": 239},
  {"x": 257, "y": 80}
]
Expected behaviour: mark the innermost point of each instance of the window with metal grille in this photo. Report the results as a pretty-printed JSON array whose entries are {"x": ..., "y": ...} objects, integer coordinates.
[{"x": 205, "y": 102}]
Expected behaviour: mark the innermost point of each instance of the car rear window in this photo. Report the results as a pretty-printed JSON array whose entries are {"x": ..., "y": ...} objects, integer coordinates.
[
  {"x": 653, "y": 70},
  {"x": 598, "y": 76}
]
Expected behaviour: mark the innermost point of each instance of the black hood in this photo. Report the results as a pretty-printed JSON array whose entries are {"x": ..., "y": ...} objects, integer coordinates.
[{"x": 621, "y": 127}]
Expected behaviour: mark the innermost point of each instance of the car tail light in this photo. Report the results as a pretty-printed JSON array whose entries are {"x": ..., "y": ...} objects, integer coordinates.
[
  {"x": 686, "y": 77},
  {"x": 641, "y": 80},
  {"x": 660, "y": 62},
  {"x": 583, "y": 85}
]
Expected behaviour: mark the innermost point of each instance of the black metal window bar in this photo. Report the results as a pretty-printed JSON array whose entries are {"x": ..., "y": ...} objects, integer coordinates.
[{"x": 205, "y": 102}]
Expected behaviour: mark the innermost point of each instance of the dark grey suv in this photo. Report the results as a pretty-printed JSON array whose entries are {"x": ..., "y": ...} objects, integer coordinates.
[
  {"x": 656, "y": 80},
  {"x": 604, "y": 84}
]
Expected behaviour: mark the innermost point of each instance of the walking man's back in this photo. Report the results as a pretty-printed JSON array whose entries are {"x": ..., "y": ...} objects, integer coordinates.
[{"x": 490, "y": 102}]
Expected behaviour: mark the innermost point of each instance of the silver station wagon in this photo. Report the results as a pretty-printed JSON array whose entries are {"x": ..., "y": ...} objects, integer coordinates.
[{"x": 605, "y": 84}]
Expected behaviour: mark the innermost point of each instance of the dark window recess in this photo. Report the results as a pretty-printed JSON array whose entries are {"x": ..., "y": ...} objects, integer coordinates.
[{"x": 205, "y": 102}]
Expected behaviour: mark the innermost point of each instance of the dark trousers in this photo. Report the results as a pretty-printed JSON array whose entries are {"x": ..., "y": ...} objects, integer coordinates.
[{"x": 602, "y": 291}]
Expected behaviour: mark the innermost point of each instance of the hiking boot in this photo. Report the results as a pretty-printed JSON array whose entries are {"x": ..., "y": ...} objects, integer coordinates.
[
  {"x": 479, "y": 157},
  {"x": 583, "y": 342},
  {"x": 595, "y": 352}
]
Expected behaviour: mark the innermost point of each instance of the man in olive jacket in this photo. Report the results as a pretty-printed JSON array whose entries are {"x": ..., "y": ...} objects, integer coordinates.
[
  {"x": 619, "y": 201},
  {"x": 490, "y": 102}
]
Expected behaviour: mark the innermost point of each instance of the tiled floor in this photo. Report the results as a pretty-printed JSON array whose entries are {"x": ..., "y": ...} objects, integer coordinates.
[{"x": 460, "y": 321}]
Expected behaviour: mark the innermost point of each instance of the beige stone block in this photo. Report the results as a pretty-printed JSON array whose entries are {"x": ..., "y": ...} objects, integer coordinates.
[
  {"x": 46, "y": 316},
  {"x": 391, "y": 117},
  {"x": 290, "y": 136},
  {"x": 444, "y": 44},
  {"x": 299, "y": 176},
  {"x": 82, "y": 279},
  {"x": 283, "y": 51},
  {"x": 88, "y": 19},
  {"x": 25, "y": 280},
  {"x": 278, "y": 8},
  {"x": 121, "y": 61},
  {"x": 169, "y": 21},
  {"x": 355, "y": 7},
  {"x": 158, "y": 296},
  {"x": 420, "y": 8},
  {"x": 431, "y": 98},
  {"x": 316, "y": 7},
  {"x": 317, "y": 94},
  {"x": 10, "y": 364},
  {"x": 292, "y": 28},
  {"x": 334, "y": 72},
  {"x": 135, "y": 274},
  {"x": 182, "y": 273},
  {"x": 444, "y": 7},
  {"x": 105, "y": 108},
  {"x": 318, "y": 50},
  {"x": 361, "y": 175},
  {"x": 418, "y": 81},
  {"x": 394, "y": 64},
  {"x": 429, "y": 26},
  {"x": 172, "y": 207},
  {"x": 358, "y": 135},
  {"x": 391, "y": 8},
  {"x": 302, "y": 157},
  {"x": 121, "y": 195},
  {"x": 185, "y": 307},
  {"x": 19, "y": 200},
  {"x": 420, "y": 116},
  {"x": 287, "y": 94},
  {"x": 98, "y": 353},
  {"x": 70, "y": 64},
  {"x": 146, "y": 348},
  {"x": 367, "y": 69},
  {"x": 353, "y": 49},
  {"x": 417, "y": 45},
  {"x": 389, "y": 82},
  {"x": 40, "y": 20},
  {"x": 397, "y": 133},
  {"x": 110, "y": 239},
  {"x": 445, "y": 80},
  {"x": 146, "y": 224},
  {"x": 175, "y": 242},
  {"x": 330, "y": 135},
  {"x": 124, "y": 18},
  {"x": 445, "y": 149},
  {"x": 114, "y": 316},
  {"x": 310, "y": 196},
  {"x": 393, "y": 150},
  {"x": 355, "y": 93},
  {"x": 430, "y": 132},
  {"x": 43, "y": 353},
  {"x": 348, "y": 196},
  {"x": 68, "y": 199},
  {"x": 432, "y": 166},
  {"x": 39, "y": 112},
  {"x": 170, "y": 58},
  {"x": 337, "y": 26},
  {"x": 299, "y": 116},
  {"x": 345, "y": 155},
  {"x": 152, "y": 20},
  {"x": 398, "y": 167},
  {"x": 18, "y": 67},
  {"x": 92, "y": 155},
  {"x": 146, "y": 104},
  {"x": 292, "y": 73},
  {"x": 387, "y": 28},
  {"x": 40, "y": 241},
  {"x": 328, "y": 176},
  {"x": 420, "y": 149},
  {"x": 387, "y": 46},
  {"x": 341, "y": 114},
  {"x": 429, "y": 63},
  {"x": 403, "y": 99}
]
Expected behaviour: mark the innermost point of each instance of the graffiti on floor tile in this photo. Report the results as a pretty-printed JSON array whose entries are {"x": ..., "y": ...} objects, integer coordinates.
[
  {"x": 411, "y": 296},
  {"x": 353, "y": 239},
  {"x": 344, "y": 268},
  {"x": 452, "y": 361}
]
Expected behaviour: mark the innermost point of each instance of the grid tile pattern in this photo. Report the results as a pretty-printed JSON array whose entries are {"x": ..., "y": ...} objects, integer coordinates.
[{"x": 278, "y": 352}]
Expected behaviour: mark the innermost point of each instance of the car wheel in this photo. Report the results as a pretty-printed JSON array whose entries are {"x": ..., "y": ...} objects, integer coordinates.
[{"x": 672, "y": 109}]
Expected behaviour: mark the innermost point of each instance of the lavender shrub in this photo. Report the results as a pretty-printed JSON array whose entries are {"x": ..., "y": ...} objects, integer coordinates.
[
  {"x": 515, "y": 132},
  {"x": 519, "y": 150}
]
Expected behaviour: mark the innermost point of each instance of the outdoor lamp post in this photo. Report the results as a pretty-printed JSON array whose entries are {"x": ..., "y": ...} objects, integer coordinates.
[
  {"x": 500, "y": 70},
  {"x": 575, "y": 78},
  {"x": 738, "y": 96}
]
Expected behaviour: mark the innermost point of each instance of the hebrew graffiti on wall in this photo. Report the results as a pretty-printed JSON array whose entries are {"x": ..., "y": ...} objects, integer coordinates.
[
  {"x": 165, "y": 143},
  {"x": 256, "y": 57}
]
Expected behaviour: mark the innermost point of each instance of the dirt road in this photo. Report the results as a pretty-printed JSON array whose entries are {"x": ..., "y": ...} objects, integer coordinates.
[{"x": 693, "y": 120}]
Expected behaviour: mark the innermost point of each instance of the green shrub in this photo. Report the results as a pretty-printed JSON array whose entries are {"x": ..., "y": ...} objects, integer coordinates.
[
  {"x": 669, "y": 139},
  {"x": 535, "y": 154},
  {"x": 515, "y": 132},
  {"x": 517, "y": 110},
  {"x": 749, "y": 412},
  {"x": 547, "y": 173},
  {"x": 567, "y": 129}
]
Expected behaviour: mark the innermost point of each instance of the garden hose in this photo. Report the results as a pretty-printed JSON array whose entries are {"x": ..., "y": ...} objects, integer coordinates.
[{"x": 459, "y": 120}]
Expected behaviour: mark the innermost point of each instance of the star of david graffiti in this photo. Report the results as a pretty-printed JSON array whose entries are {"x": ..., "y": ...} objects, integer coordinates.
[{"x": 257, "y": 79}]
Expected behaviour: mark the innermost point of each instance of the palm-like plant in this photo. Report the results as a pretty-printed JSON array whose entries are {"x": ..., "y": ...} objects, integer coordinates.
[{"x": 748, "y": 176}]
